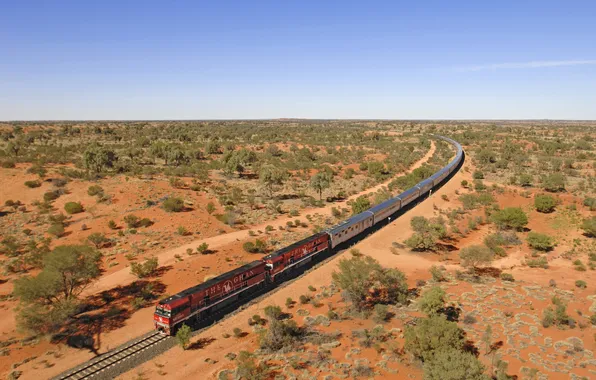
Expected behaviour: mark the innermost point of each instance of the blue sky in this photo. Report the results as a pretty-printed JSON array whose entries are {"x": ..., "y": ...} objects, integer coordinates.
[{"x": 308, "y": 59}]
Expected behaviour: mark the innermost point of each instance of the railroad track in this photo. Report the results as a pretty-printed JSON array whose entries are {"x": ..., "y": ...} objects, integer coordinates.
[{"x": 96, "y": 366}]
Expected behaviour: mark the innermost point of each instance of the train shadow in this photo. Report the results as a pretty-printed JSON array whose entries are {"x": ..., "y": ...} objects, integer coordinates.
[{"x": 321, "y": 257}]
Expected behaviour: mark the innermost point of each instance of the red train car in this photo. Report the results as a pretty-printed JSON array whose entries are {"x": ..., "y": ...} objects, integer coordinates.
[
  {"x": 206, "y": 298},
  {"x": 296, "y": 254}
]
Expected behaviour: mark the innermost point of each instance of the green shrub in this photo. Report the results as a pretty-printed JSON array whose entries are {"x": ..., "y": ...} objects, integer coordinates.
[
  {"x": 437, "y": 274},
  {"x": 510, "y": 217},
  {"x": 304, "y": 299},
  {"x": 249, "y": 247},
  {"x": 589, "y": 226},
  {"x": 203, "y": 248},
  {"x": 453, "y": 364},
  {"x": 476, "y": 255},
  {"x": 380, "y": 313},
  {"x": 289, "y": 302},
  {"x": 73, "y": 207},
  {"x": 432, "y": 301},
  {"x": 183, "y": 336},
  {"x": 97, "y": 239},
  {"x": 56, "y": 230},
  {"x": 478, "y": 175},
  {"x": 548, "y": 318},
  {"x": 8, "y": 164},
  {"x": 146, "y": 269},
  {"x": 581, "y": 284},
  {"x": 237, "y": 332},
  {"x": 432, "y": 335},
  {"x": 593, "y": 319},
  {"x": 590, "y": 203},
  {"x": 507, "y": 277},
  {"x": 540, "y": 262},
  {"x": 112, "y": 225},
  {"x": 51, "y": 195},
  {"x": 545, "y": 203},
  {"x": 182, "y": 231},
  {"x": 273, "y": 312},
  {"x": 173, "y": 204},
  {"x": 95, "y": 190},
  {"x": 541, "y": 242},
  {"x": 132, "y": 221},
  {"x": 145, "y": 222},
  {"x": 32, "y": 184},
  {"x": 554, "y": 182}
]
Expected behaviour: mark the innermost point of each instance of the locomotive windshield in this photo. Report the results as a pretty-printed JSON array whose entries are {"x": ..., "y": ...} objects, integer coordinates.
[{"x": 159, "y": 310}]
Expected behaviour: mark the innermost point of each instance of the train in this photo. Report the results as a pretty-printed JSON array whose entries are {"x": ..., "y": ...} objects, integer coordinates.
[{"x": 203, "y": 300}]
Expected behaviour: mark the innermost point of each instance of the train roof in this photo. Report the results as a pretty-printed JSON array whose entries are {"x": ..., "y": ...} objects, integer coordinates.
[
  {"x": 408, "y": 192},
  {"x": 355, "y": 219},
  {"x": 293, "y": 246},
  {"x": 381, "y": 206},
  {"x": 213, "y": 281}
]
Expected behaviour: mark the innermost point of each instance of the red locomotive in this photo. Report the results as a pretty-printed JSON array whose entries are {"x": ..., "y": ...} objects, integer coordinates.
[{"x": 202, "y": 300}]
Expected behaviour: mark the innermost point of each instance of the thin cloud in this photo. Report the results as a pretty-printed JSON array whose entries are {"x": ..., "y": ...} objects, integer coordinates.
[{"x": 526, "y": 65}]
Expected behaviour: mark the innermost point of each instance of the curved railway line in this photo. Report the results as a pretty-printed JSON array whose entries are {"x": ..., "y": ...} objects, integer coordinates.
[{"x": 141, "y": 349}]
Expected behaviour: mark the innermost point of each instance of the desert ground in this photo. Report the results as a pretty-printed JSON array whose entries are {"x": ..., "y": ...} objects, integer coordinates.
[{"x": 500, "y": 158}]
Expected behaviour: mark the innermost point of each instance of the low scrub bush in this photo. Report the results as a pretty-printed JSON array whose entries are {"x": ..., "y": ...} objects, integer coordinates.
[
  {"x": 73, "y": 207},
  {"x": 545, "y": 203},
  {"x": 32, "y": 184},
  {"x": 95, "y": 190},
  {"x": 173, "y": 204},
  {"x": 540, "y": 262},
  {"x": 146, "y": 269},
  {"x": 507, "y": 277},
  {"x": 541, "y": 242}
]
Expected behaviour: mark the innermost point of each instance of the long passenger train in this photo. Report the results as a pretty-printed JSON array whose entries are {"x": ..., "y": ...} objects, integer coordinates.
[{"x": 201, "y": 301}]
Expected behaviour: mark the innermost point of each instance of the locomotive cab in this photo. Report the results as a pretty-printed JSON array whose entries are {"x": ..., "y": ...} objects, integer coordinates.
[{"x": 162, "y": 317}]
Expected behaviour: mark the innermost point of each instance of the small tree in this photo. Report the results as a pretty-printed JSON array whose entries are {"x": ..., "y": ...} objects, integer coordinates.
[
  {"x": 510, "y": 218},
  {"x": 545, "y": 203},
  {"x": 50, "y": 298},
  {"x": 271, "y": 177},
  {"x": 364, "y": 279},
  {"x": 183, "y": 336},
  {"x": 476, "y": 255},
  {"x": 97, "y": 239},
  {"x": 432, "y": 301},
  {"x": 210, "y": 208},
  {"x": 321, "y": 181},
  {"x": 541, "y": 242}
]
